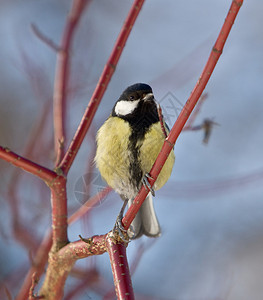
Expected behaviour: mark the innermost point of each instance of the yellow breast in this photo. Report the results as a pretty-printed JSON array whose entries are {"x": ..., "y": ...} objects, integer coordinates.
[
  {"x": 113, "y": 155},
  {"x": 149, "y": 151}
]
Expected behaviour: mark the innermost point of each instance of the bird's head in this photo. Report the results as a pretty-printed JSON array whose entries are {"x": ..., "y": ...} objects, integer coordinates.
[{"x": 136, "y": 101}]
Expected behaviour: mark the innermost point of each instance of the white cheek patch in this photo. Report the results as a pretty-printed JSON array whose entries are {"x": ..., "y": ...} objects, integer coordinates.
[{"x": 124, "y": 107}]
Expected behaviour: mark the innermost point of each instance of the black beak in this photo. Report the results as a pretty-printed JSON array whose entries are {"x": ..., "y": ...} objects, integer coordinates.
[{"x": 148, "y": 97}]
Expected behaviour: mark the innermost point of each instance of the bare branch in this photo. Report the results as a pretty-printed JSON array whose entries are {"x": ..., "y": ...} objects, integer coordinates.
[
  {"x": 44, "y": 38},
  {"x": 27, "y": 165},
  {"x": 120, "y": 268},
  {"x": 186, "y": 111}
]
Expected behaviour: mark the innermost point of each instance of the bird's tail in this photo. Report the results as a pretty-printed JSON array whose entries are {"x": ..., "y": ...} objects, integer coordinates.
[{"x": 146, "y": 221}]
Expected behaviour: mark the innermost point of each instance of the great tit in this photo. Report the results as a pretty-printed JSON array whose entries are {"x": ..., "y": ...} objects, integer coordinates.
[{"x": 128, "y": 144}]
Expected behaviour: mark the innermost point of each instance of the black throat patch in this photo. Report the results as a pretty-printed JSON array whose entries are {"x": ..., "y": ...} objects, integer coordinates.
[{"x": 140, "y": 121}]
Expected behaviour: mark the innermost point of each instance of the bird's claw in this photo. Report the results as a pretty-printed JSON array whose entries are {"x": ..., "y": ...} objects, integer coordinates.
[
  {"x": 122, "y": 233},
  {"x": 146, "y": 183}
]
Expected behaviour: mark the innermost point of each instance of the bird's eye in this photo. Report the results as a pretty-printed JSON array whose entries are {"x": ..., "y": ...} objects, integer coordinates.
[{"x": 132, "y": 98}]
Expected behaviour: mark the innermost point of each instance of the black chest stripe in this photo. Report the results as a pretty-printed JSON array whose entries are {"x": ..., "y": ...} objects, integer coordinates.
[
  {"x": 135, "y": 166},
  {"x": 136, "y": 139},
  {"x": 140, "y": 121}
]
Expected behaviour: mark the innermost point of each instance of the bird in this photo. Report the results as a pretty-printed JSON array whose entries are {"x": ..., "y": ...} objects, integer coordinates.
[{"x": 128, "y": 144}]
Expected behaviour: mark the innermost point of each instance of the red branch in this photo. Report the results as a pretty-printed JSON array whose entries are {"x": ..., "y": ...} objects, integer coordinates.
[
  {"x": 120, "y": 268},
  {"x": 101, "y": 86},
  {"x": 59, "y": 213},
  {"x": 44, "y": 38},
  {"x": 95, "y": 245},
  {"x": 57, "y": 184},
  {"x": 61, "y": 263},
  {"x": 27, "y": 165},
  {"x": 62, "y": 76},
  {"x": 186, "y": 111}
]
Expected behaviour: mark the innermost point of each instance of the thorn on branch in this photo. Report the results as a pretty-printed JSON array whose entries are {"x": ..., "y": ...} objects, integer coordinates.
[
  {"x": 60, "y": 151},
  {"x": 60, "y": 172},
  {"x": 61, "y": 143},
  {"x": 88, "y": 241},
  {"x": 44, "y": 38}
]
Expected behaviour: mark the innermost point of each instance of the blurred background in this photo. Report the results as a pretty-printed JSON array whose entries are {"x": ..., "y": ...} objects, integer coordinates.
[{"x": 211, "y": 210}]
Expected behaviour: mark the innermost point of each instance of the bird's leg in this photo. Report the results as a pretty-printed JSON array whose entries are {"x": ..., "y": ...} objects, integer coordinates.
[
  {"x": 118, "y": 224},
  {"x": 146, "y": 183}
]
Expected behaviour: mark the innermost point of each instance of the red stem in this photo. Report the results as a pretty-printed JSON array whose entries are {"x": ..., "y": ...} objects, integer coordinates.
[
  {"x": 59, "y": 213},
  {"x": 120, "y": 268},
  {"x": 62, "y": 77},
  {"x": 44, "y": 38},
  {"x": 101, "y": 86},
  {"x": 186, "y": 111},
  {"x": 27, "y": 165}
]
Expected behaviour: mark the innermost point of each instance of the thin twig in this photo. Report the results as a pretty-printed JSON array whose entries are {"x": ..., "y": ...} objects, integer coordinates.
[
  {"x": 44, "y": 38},
  {"x": 27, "y": 165}
]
